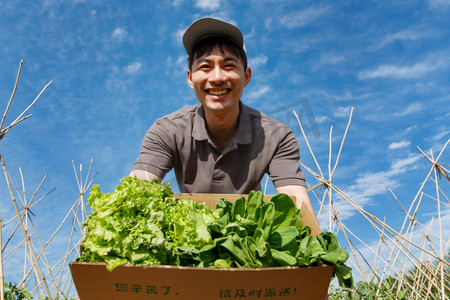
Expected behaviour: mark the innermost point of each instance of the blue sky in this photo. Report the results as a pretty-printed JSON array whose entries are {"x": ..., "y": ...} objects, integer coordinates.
[{"x": 116, "y": 66}]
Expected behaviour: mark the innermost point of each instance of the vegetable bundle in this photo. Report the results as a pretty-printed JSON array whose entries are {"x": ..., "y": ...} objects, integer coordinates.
[{"x": 141, "y": 223}]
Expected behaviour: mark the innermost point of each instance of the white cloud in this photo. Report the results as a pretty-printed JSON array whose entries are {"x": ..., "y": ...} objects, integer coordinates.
[
  {"x": 321, "y": 119},
  {"x": 404, "y": 72},
  {"x": 258, "y": 61},
  {"x": 441, "y": 135},
  {"x": 132, "y": 68},
  {"x": 119, "y": 34},
  {"x": 268, "y": 23},
  {"x": 342, "y": 112},
  {"x": 178, "y": 35},
  {"x": 439, "y": 4},
  {"x": 400, "y": 166},
  {"x": 176, "y": 66},
  {"x": 303, "y": 17},
  {"x": 444, "y": 117},
  {"x": 411, "y": 128},
  {"x": 409, "y": 34},
  {"x": 398, "y": 145},
  {"x": 412, "y": 108},
  {"x": 345, "y": 96},
  {"x": 177, "y": 2},
  {"x": 207, "y": 4},
  {"x": 331, "y": 58},
  {"x": 257, "y": 92}
]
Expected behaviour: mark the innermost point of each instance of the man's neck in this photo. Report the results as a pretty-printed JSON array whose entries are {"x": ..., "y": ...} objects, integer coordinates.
[{"x": 222, "y": 128}]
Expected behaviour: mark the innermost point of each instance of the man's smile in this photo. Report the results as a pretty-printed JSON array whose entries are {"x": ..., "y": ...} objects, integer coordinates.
[{"x": 217, "y": 92}]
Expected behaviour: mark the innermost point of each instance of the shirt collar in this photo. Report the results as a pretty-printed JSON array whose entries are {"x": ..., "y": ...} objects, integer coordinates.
[
  {"x": 243, "y": 134},
  {"x": 199, "y": 128}
]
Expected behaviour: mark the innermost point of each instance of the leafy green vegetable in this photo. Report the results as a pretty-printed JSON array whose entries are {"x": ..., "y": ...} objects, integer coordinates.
[{"x": 141, "y": 223}]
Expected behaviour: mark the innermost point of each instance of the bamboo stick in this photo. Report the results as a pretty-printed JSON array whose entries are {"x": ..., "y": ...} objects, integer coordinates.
[
  {"x": 2, "y": 294},
  {"x": 412, "y": 220},
  {"x": 348, "y": 241},
  {"x": 22, "y": 212},
  {"x": 342, "y": 142},
  {"x": 10, "y": 99},
  {"x": 328, "y": 191},
  {"x": 307, "y": 143},
  {"x": 440, "y": 229},
  {"x": 38, "y": 269}
]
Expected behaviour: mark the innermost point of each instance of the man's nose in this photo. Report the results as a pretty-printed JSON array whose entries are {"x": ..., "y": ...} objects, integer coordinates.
[{"x": 218, "y": 74}]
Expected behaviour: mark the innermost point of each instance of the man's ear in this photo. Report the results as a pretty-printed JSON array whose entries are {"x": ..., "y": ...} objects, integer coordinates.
[
  {"x": 248, "y": 76},
  {"x": 189, "y": 78}
]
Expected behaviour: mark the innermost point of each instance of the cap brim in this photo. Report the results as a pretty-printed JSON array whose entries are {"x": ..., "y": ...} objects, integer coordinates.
[{"x": 207, "y": 27}]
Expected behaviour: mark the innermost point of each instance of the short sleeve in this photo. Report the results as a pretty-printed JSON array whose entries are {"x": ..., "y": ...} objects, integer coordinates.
[
  {"x": 157, "y": 152},
  {"x": 284, "y": 169}
]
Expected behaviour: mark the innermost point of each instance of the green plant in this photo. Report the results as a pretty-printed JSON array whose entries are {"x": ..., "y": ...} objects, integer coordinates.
[
  {"x": 370, "y": 291},
  {"x": 13, "y": 292},
  {"x": 141, "y": 223},
  {"x": 417, "y": 282}
]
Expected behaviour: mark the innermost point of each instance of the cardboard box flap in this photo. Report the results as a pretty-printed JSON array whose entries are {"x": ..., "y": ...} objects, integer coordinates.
[{"x": 310, "y": 220}]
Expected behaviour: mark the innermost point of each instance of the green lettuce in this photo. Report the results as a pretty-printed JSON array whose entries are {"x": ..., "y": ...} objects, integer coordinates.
[{"x": 141, "y": 223}]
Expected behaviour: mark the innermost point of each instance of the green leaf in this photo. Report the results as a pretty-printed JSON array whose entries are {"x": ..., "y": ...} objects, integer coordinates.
[
  {"x": 285, "y": 211},
  {"x": 236, "y": 228},
  {"x": 201, "y": 228},
  {"x": 310, "y": 246},
  {"x": 249, "y": 248},
  {"x": 223, "y": 207},
  {"x": 255, "y": 200},
  {"x": 402, "y": 293},
  {"x": 344, "y": 275},
  {"x": 282, "y": 237},
  {"x": 208, "y": 254},
  {"x": 338, "y": 256},
  {"x": 237, "y": 209},
  {"x": 262, "y": 247},
  {"x": 328, "y": 241},
  {"x": 221, "y": 263},
  {"x": 248, "y": 224},
  {"x": 234, "y": 249},
  {"x": 266, "y": 214},
  {"x": 283, "y": 258}
]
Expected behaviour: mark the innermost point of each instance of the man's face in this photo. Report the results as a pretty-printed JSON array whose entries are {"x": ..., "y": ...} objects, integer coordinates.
[{"x": 218, "y": 80}]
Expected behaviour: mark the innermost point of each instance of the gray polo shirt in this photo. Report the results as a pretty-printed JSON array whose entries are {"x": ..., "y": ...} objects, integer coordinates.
[{"x": 261, "y": 145}]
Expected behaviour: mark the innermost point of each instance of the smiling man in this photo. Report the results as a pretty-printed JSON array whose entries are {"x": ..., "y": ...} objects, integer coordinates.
[{"x": 221, "y": 145}]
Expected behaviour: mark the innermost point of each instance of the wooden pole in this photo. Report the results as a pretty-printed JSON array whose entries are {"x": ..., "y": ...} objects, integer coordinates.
[
  {"x": 2, "y": 295},
  {"x": 27, "y": 237}
]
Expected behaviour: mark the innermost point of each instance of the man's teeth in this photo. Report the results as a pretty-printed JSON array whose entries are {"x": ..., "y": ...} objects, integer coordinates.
[{"x": 218, "y": 92}]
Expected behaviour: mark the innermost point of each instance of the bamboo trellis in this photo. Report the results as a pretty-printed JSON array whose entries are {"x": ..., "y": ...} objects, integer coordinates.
[{"x": 53, "y": 278}]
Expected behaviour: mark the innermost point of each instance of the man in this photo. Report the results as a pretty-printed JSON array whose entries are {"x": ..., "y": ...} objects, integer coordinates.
[{"x": 221, "y": 145}]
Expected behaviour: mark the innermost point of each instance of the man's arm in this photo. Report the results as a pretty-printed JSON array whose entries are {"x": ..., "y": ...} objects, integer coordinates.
[
  {"x": 301, "y": 195},
  {"x": 141, "y": 174}
]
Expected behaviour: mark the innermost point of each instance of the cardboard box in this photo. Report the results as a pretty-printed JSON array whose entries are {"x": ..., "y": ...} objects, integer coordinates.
[{"x": 94, "y": 281}]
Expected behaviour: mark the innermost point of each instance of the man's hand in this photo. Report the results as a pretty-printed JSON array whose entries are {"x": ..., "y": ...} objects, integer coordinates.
[
  {"x": 140, "y": 174},
  {"x": 301, "y": 195}
]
